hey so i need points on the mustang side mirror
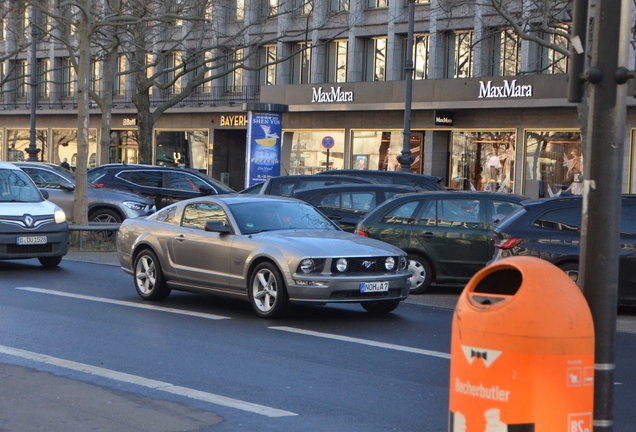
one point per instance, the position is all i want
(217, 226)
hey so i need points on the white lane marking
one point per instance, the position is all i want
(124, 303)
(149, 383)
(365, 342)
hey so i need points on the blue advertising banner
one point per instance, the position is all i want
(264, 130)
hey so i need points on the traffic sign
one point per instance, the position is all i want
(328, 142)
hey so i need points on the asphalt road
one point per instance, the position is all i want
(80, 351)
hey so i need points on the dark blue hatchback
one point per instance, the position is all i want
(550, 229)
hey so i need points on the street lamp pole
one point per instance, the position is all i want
(33, 149)
(406, 159)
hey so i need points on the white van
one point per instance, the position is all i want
(30, 226)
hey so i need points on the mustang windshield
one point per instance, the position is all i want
(16, 186)
(258, 216)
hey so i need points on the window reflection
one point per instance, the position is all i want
(483, 161)
(554, 163)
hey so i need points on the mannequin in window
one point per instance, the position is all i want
(494, 165)
(574, 168)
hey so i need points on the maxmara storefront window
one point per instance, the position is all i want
(553, 163)
(309, 156)
(483, 160)
(378, 150)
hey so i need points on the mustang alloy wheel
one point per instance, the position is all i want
(149, 281)
(267, 291)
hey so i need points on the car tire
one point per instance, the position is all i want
(105, 215)
(572, 270)
(50, 261)
(380, 307)
(149, 281)
(422, 274)
(267, 292)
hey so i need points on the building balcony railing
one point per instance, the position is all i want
(217, 96)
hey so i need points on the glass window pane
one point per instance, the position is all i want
(147, 178)
(483, 161)
(18, 141)
(308, 156)
(565, 219)
(549, 157)
(401, 215)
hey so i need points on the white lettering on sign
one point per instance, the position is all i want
(336, 95)
(235, 120)
(490, 393)
(130, 122)
(443, 120)
(507, 90)
(580, 422)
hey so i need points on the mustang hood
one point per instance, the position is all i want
(319, 243)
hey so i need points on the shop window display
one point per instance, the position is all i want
(308, 156)
(483, 161)
(377, 150)
(64, 143)
(554, 164)
(18, 141)
(186, 149)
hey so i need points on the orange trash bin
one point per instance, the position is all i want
(522, 351)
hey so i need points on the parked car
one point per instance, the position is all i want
(163, 185)
(272, 251)
(549, 228)
(30, 226)
(286, 185)
(104, 205)
(420, 181)
(347, 204)
(446, 234)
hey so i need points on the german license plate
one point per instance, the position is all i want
(374, 286)
(31, 240)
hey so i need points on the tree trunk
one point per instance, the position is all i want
(80, 208)
(146, 122)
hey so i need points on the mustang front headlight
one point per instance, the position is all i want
(342, 265)
(389, 263)
(307, 265)
(311, 265)
(60, 216)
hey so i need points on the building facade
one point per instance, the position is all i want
(489, 110)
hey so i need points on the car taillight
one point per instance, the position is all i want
(362, 233)
(99, 184)
(510, 243)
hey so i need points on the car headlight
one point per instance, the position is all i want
(311, 265)
(341, 265)
(307, 265)
(134, 205)
(389, 263)
(403, 263)
(59, 215)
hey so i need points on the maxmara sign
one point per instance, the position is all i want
(335, 95)
(507, 90)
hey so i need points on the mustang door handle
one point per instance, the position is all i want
(427, 235)
(180, 238)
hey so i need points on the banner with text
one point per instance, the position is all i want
(264, 130)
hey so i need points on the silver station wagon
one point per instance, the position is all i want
(272, 251)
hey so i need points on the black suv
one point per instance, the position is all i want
(163, 185)
(287, 185)
(550, 228)
(420, 181)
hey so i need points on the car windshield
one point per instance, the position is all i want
(16, 186)
(258, 216)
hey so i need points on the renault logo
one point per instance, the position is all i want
(28, 221)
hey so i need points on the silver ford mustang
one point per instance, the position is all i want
(271, 251)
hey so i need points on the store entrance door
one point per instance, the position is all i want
(229, 157)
